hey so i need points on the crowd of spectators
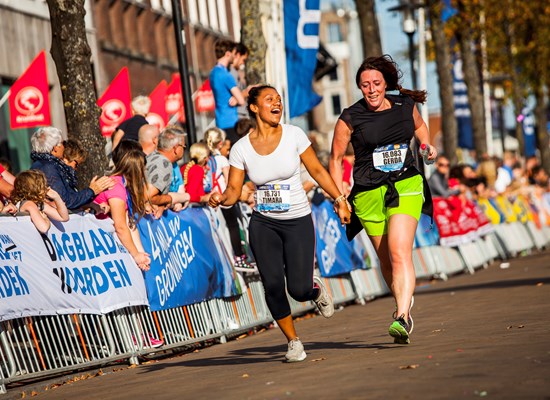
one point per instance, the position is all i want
(498, 185)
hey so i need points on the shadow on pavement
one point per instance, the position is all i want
(267, 354)
(487, 285)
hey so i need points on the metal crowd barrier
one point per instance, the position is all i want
(36, 347)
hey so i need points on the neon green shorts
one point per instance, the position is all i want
(374, 215)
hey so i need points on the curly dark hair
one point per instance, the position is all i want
(392, 75)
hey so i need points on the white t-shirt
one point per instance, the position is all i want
(221, 163)
(279, 192)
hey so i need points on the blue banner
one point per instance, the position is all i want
(302, 18)
(527, 120)
(426, 232)
(335, 255)
(462, 107)
(186, 264)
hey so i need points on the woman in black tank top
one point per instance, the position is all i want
(380, 128)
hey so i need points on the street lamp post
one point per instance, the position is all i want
(406, 8)
(498, 94)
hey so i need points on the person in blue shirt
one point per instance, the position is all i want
(227, 94)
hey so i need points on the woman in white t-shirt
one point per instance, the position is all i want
(281, 231)
(215, 139)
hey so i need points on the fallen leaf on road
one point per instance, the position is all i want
(539, 284)
(318, 359)
(521, 326)
(459, 350)
(412, 366)
(270, 383)
(245, 376)
(438, 330)
(430, 357)
(509, 327)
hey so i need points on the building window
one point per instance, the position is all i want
(334, 32)
(336, 104)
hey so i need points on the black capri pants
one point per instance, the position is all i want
(284, 248)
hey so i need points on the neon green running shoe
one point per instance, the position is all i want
(399, 330)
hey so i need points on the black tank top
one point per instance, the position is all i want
(372, 129)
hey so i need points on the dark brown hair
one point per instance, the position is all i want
(253, 95)
(222, 46)
(392, 75)
(131, 165)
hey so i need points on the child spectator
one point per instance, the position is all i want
(194, 171)
(126, 201)
(32, 194)
(215, 138)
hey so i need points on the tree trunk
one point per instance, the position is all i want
(72, 56)
(444, 67)
(473, 83)
(372, 45)
(253, 38)
(542, 133)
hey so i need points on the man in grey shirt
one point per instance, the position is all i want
(439, 181)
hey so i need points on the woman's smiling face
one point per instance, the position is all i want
(373, 87)
(269, 106)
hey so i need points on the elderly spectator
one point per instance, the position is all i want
(160, 169)
(149, 138)
(47, 156)
(129, 129)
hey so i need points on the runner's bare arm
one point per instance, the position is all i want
(340, 141)
(232, 192)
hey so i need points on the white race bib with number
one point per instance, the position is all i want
(390, 158)
(273, 198)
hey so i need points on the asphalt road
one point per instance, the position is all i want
(481, 335)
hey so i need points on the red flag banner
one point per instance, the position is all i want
(157, 113)
(115, 103)
(29, 99)
(174, 98)
(205, 98)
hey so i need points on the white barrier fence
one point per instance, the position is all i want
(39, 346)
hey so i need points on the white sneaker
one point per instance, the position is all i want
(323, 301)
(295, 351)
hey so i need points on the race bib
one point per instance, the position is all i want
(390, 158)
(273, 198)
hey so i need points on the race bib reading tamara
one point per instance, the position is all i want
(390, 158)
(273, 198)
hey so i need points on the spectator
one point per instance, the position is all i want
(73, 156)
(226, 147)
(129, 129)
(438, 182)
(149, 138)
(504, 173)
(215, 138)
(127, 202)
(47, 154)
(237, 71)
(193, 173)
(171, 147)
(227, 94)
(5, 163)
(32, 195)
(244, 126)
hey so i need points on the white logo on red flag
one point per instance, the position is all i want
(113, 112)
(205, 98)
(29, 96)
(115, 103)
